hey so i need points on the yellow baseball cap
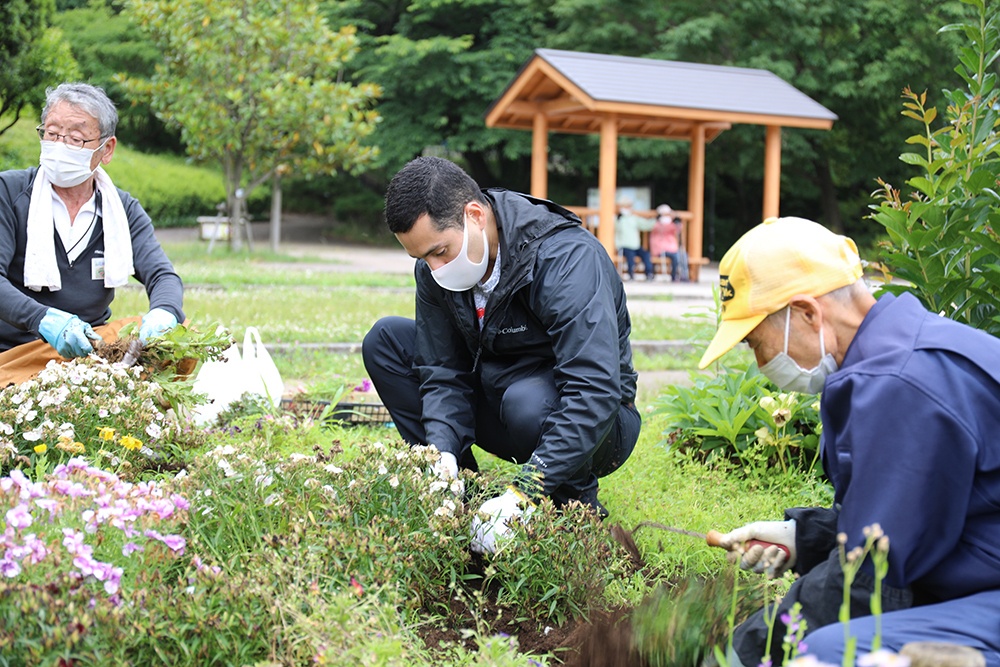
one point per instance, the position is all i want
(771, 263)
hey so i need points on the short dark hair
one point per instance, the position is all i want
(431, 185)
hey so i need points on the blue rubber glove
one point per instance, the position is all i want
(156, 323)
(67, 333)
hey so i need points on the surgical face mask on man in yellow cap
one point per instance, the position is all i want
(776, 262)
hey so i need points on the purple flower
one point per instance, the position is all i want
(9, 568)
(19, 516)
(173, 542)
(73, 541)
(131, 547)
(366, 385)
(37, 551)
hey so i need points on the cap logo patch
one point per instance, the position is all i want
(726, 290)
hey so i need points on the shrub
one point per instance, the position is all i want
(738, 415)
(943, 244)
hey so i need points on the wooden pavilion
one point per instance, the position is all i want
(590, 93)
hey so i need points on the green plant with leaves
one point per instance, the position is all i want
(943, 244)
(555, 563)
(738, 415)
(680, 623)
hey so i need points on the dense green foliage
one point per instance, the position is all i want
(33, 56)
(104, 43)
(738, 416)
(943, 243)
(441, 64)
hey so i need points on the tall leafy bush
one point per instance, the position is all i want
(943, 243)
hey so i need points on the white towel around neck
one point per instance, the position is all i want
(40, 267)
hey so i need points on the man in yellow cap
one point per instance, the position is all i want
(911, 413)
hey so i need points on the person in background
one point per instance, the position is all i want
(628, 239)
(664, 238)
(520, 344)
(69, 238)
(910, 413)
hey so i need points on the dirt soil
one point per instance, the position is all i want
(603, 641)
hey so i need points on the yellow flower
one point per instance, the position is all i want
(41, 449)
(67, 444)
(128, 442)
(107, 433)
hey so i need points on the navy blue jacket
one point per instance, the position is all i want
(21, 309)
(560, 306)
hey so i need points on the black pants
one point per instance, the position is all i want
(510, 430)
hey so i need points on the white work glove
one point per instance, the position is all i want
(446, 470)
(493, 520)
(766, 547)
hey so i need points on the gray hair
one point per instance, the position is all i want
(843, 295)
(90, 99)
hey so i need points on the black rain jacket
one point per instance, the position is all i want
(560, 306)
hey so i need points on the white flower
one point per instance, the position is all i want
(394, 481)
(447, 508)
(333, 469)
(274, 499)
(382, 469)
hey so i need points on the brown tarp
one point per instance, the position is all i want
(25, 361)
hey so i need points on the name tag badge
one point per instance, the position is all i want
(97, 268)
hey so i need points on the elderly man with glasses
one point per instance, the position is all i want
(69, 237)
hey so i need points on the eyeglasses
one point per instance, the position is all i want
(72, 142)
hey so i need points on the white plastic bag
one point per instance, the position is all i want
(226, 379)
(222, 381)
(262, 376)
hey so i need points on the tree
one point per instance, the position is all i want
(104, 43)
(441, 63)
(852, 56)
(256, 85)
(33, 56)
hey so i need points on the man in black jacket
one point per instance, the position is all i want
(520, 344)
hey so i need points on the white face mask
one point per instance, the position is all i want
(67, 166)
(461, 273)
(787, 375)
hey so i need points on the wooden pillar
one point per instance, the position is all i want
(772, 171)
(607, 183)
(696, 202)
(540, 157)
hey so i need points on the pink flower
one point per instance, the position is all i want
(19, 516)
